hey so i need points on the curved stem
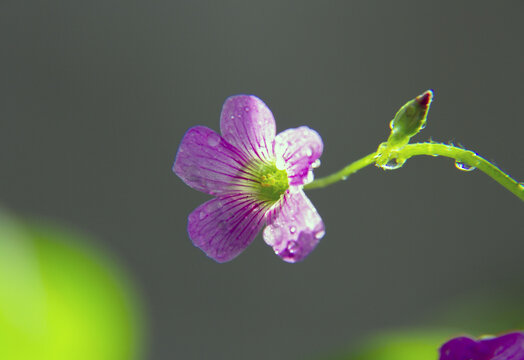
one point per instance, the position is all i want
(462, 156)
(465, 157)
(342, 174)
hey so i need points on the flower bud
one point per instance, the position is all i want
(410, 119)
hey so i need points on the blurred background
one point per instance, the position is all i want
(96, 96)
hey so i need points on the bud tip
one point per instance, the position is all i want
(424, 100)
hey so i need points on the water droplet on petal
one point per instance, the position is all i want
(292, 229)
(464, 167)
(316, 164)
(292, 246)
(280, 163)
(310, 177)
(213, 139)
(319, 234)
(222, 225)
(202, 214)
(246, 109)
(309, 152)
(232, 117)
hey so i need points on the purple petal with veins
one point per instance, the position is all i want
(299, 148)
(294, 226)
(248, 124)
(505, 347)
(225, 226)
(208, 163)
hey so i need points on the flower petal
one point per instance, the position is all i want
(506, 347)
(294, 226)
(225, 226)
(247, 123)
(299, 148)
(208, 163)
(458, 348)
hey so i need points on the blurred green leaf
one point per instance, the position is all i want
(61, 298)
(413, 344)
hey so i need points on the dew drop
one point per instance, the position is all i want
(423, 126)
(464, 167)
(344, 177)
(316, 164)
(246, 109)
(393, 164)
(309, 152)
(222, 225)
(292, 247)
(232, 117)
(202, 214)
(310, 177)
(391, 124)
(521, 186)
(292, 229)
(319, 234)
(213, 139)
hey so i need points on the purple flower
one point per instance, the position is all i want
(505, 347)
(257, 179)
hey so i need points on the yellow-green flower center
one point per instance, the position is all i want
(269, 183)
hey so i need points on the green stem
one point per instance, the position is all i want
(465, 157)
(469, 158)
(342, 174)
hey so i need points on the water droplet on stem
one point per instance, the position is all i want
(393, 164)
(464, 167)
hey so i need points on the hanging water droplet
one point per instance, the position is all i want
(393, 164)
(464, 167)
(316, 164)
(292, 229)
(213, 139)
(391, 124)
(344, 177)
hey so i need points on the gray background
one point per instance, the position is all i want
(96, 96)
